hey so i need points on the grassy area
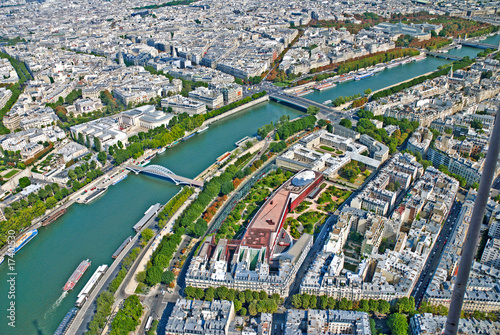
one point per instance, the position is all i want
(302, 207)
(10, 173)
(167, 4)
(332, 197)
(282, 83)
(324, 147)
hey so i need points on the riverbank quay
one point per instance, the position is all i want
(103, 181)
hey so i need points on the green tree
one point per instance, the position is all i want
(364, 306)
(252, 309)
(227, 187)
(476, 124)
(146, 235)
(167, 277)
(346, 123)
(101, 157)
(209, 294)
(97, 144)
(190, 292)
(24, 182)
(345, 304)
(332, 303)
(368, 91)
(153, 275)
(398, 324)
(296, 301)
(323, 302)
(221, 292)
(237, 305)
(50, 202)
(383, 306)
(373, 305)
(199, 294)
(81, 140)
(313, 110)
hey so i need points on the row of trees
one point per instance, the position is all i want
(83, 175)
(173, 205)
(235, 104)
(106, 299)
(161, 136)
(306, 301)
(288, 128)
(466, 61)
(363, 62)
(342, 100)
(20, 214)
(215, 187)
(127, 318)
(248, 301)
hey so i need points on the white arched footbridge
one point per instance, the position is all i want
(163, 172)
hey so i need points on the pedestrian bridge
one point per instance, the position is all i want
(163, 172)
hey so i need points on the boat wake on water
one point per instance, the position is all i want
(56, 304)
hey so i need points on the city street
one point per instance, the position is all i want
(434, 257)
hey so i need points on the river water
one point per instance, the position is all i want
(95, 231)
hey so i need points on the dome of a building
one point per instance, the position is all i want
(303, 178)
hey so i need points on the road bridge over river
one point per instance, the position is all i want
(301, 103)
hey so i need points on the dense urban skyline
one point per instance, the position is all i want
(297, 167)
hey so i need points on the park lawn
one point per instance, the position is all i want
(10, 173)
(324, 147)
(281, 84)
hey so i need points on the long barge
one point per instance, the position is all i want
(324, 86)
(95, 195)
(68, 318)
(28, 236)
(76, 275)
(188, 137)
(85, 292)
(119, 179)
(303, 92)
(54, 216)
(202, 130)
(121, 247)
(363, 75)
(147, 215)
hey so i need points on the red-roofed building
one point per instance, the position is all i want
(263, 230)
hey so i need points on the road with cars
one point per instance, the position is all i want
(436, 253)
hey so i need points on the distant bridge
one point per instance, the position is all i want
(301, 102)
(478, 45)
(163, 172)
(443, 55)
